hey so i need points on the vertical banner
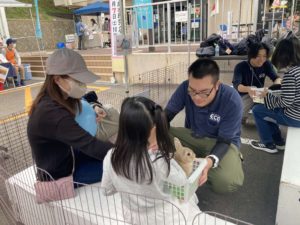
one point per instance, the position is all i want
(214, 8)
(116, 23)
(144, 14)
(38, 31)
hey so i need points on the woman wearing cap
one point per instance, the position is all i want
(52, 129)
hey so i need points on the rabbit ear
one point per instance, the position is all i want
(178, 144)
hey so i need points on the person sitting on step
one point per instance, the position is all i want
(12, 55)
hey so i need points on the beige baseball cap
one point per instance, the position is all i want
(68, 62)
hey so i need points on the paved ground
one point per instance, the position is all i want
(255, 202)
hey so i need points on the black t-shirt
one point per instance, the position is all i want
(247, 75)
(52, 130)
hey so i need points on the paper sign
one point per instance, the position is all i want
(3, 74)
(181, 16)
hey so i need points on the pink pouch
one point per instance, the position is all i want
(47, 191)
(55, 190)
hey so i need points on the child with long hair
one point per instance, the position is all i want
(133, 167)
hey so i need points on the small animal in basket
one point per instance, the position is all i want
(184, 157)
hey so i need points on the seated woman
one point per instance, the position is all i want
(133, 166)
(52, 129)
(282, 109)
(252, 73)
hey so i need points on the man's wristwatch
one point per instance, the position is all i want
(215, 160)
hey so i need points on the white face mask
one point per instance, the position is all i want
(77, 89)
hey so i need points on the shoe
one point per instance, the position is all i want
(17, 83)
(23, 83)
(270, 148)
(280, 147)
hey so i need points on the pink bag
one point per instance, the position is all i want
(63, 188)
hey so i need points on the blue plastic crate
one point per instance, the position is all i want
(27, 70)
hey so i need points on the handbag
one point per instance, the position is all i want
(205, 51)
(55, 190)
(108, 127)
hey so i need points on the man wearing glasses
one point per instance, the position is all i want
(212, 124)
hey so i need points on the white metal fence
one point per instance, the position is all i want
(165, 23)
(89, 207)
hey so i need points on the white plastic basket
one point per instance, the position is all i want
(185, 191)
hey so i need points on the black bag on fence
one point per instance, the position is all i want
(211, 40)
(225, 48)
(205, 51)
(242, 47)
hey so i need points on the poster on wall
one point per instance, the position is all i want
(116, 23)
(214, 8)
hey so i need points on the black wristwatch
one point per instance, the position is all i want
(214, 160)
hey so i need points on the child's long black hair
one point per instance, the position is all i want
(130, 157)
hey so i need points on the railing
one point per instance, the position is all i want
(164, 23)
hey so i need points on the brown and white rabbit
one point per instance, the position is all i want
(184, 157)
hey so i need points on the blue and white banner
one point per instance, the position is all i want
(38, 31)
(144, 14)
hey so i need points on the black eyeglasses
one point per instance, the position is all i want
(193, 93)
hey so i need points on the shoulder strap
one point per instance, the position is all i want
(73, 156)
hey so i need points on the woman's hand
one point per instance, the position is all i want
(100, 114)
(251, 92)
(203, 177)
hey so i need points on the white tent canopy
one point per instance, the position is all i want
(13, 3)
(4, 32)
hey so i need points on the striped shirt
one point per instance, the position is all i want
(289, 98)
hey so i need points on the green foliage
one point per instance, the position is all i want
(47, 11)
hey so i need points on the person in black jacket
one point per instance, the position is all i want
(252, 73)
(52, 129)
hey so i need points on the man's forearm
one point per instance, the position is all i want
(220, 149)
(170, 115)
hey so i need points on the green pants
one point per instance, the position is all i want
(229, 175)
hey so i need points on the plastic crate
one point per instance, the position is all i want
(185, 191)
(27, 71)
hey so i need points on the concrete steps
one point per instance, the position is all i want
(101, 65)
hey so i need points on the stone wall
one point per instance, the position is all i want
(53, 32)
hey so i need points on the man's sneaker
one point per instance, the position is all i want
(280, 147)
(270, 148)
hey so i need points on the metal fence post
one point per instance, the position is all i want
(169, 26)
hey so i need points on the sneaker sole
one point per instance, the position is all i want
(264, 149)
(280, 148)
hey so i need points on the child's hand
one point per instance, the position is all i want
(100, 114)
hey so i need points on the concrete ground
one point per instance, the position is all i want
(255, 202)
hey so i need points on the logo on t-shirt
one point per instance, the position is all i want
(215, 117)
(262, 75)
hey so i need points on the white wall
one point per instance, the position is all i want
(248, 12)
